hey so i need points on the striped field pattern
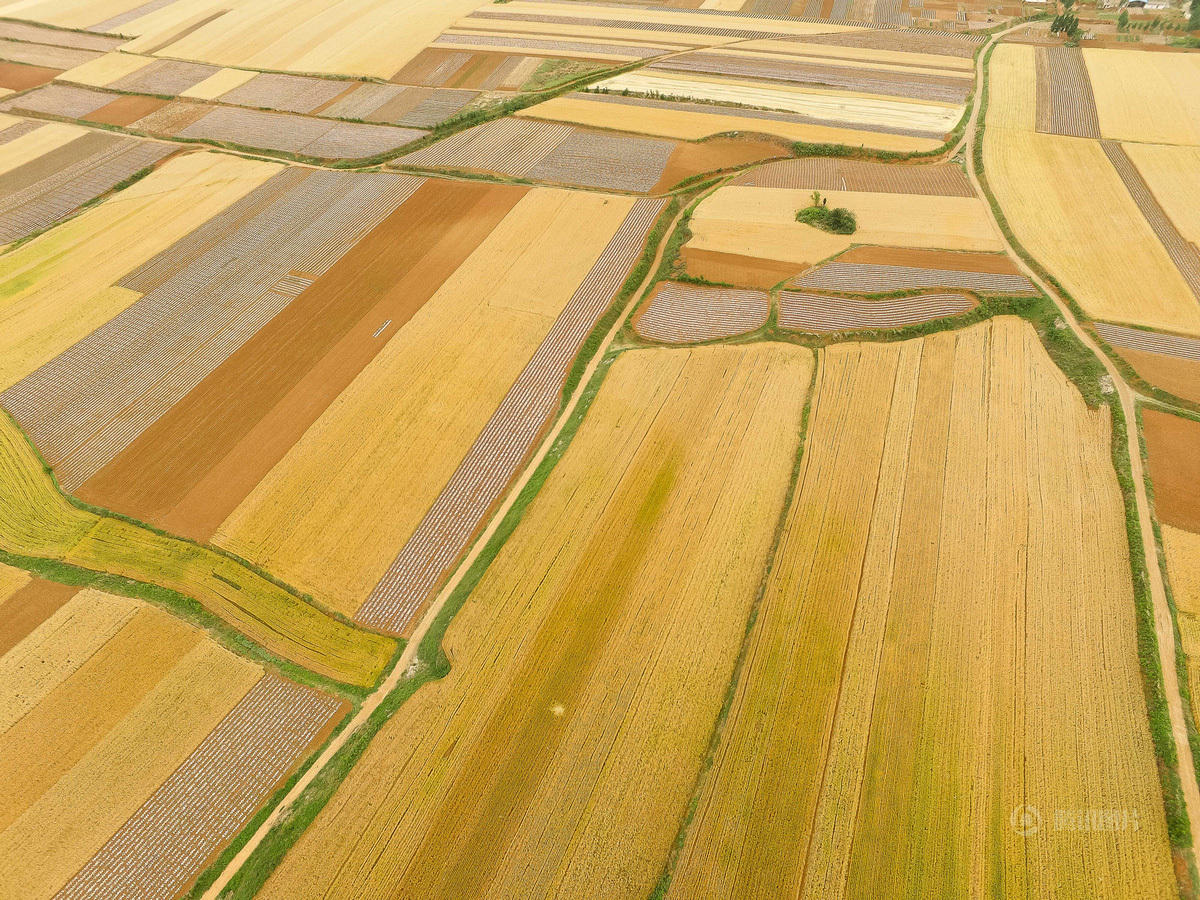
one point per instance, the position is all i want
(553, 45)
(1182, 251)
(1065, 102)
(45, 55)
(866, 278)
(287, 93)
(440, 105)
(165, 76)
(212, 794)
(615, 161)
(684, 313)
(45, 200)
(297, 134)
(114, 23)
(89, 403)
(1150, 341)
(506, 440)
(64, 100)
(828, 174)
(363, 100)
(41, 34)
(818, 312)
(511, 146)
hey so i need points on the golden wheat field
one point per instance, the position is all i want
(1148, 97)
(332, 514)
(37, 520)
(761, 222)
(1173, 176)
(1069, 208)
(589, 664)
(947, 636)
(58, 288)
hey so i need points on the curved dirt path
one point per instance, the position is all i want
(399, 673)
(1163, 622)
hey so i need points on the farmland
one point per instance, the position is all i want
(706, 434)
(650, 449)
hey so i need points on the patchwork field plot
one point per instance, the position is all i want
(880, 270)
(821, 312)
(101, 680)
(683, 313)
(558, 754)
(1146, 97)
(489, 348)
(1054, 189)
(202, 299)
(830, 174)
(1065, 104)
(59, 287)
(896, 749)
(37, 521)
(1165, 360)
(760, 222)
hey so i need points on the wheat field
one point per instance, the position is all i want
(589, 664)
(947, 635)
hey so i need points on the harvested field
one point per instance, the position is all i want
(73, 818)
(733, 268)
(949, 260)
(766, 67)
(616, 162)
(218, 83)
(1173, 176)
(63, 100)
(549, 46)
(164, 76)
(1053, 190)
(1065, 104)
(511, 146)
(297, 134)
(35, 144)
(953, 575)
(696, 121)
(200, 807)
(17, 77)
(204, 297)
(962, 46)
(57, 288)
(46, 191)
(287, 93)
(1013, 99)
(125, 110)
(44, 54)
(689, 159)
(761, 222)
(1123, 80)
(867, 278)
(558, 754)
(36, 520)
(785, 110)
(29, 602)
(830, 174)
(432, 67)
(507, 439)
(188, 471)
(106, 69)
(171, 119)
(441, 378)
(821, 313)
(1180, 377)
(1174, 465)
(684, 313)
(363, 100)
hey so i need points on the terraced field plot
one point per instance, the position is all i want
(102, 680)
(944, 563)
(590, 661)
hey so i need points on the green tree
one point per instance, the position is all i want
(1123, 20)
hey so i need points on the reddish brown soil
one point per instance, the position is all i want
(30, 607)
(18, 77)
(955, 261)
(394, 110)
(1173, 444)
(1180, 377)
(421, 66)
(690, 158)
(125, 110)
(189, 470)
(732, 268)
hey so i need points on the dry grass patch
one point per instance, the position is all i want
(947, 634)
(589, 664)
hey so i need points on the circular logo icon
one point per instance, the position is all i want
(1026, 820)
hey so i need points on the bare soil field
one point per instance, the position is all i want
(734, 268)
(693, 158)
(17, 77)
(125, 110)
(28, 607)
(1171, 443)
(1180, 377)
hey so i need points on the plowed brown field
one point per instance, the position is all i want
(1171, 443)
